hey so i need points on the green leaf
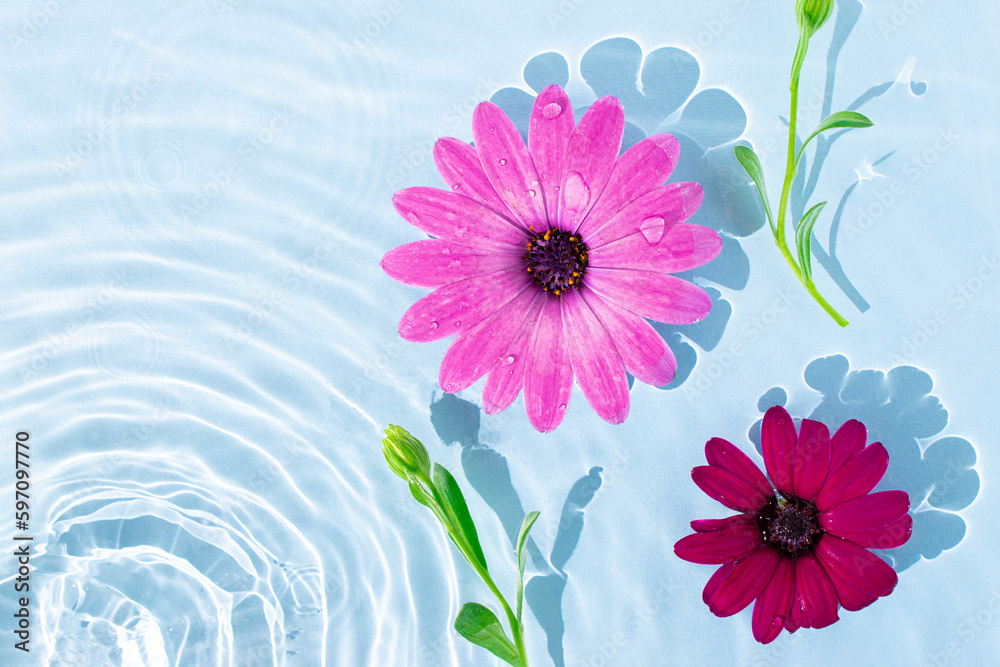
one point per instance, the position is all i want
(522, 556)
(803, 238)
(838, 120)
(751, 163)
(453, 503)
(481, 627)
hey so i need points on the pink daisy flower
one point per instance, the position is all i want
(548, 257)
(801, 548)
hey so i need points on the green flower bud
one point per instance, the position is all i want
(812, 14)
(406, 456)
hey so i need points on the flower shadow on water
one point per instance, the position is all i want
(899, 411)
(706, 125)
(457, 421)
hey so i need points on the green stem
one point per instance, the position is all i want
(786, 189)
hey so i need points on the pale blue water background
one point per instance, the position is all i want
(199, 340)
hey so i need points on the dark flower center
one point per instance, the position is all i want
(557, 260)
(790, 524)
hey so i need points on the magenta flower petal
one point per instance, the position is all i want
(459, 165)
(722, 453)
(548, 378)
(476, 350)
(507, 164)
(775, 603)
(461, 305)
(590, 158)
(549, 130)
(812, 459)
(815, 602)
(682, 247)
(849, 596)
(848, 441)
(596, 363)
(744, 583)
(865, 513)
(855, 566)
(434, 263)
(889, 536)
(855, 478)
(658, 296)
(708, 525)
(643, 351)
(643, 167)
(459, 219)
(779, 441)
(736, 540)
(669, 204)
(505, 379)
(728, 488)
(717, 578)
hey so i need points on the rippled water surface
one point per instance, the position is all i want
(198, 339)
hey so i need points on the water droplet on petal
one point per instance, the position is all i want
(562, 408)
(455, 263)
(503, 162)
(531, 193)
(552, 110)
(576, 194)
(509, 360)
(456, 186)
(446, 251)
(652, 229)
(433, 325)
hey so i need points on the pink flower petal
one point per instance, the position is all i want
(461, 305)
(866, 513)
(812, 459)
(644, 353)
(644, 166)
(849, 596)
(717, 578)
(596, 363)
(779, 441)
(708, 525)
(887, 537)
(434, 263)
(459, 165)
(854, 478)
(508, 165)
(590, 157)
(459, 219)
(505, 379)
(735, 542)
(548, 379)
(683, 246)
(719, 452)
(549, 130)
(848, 441)
(775, 603)
(744, 583)
(658, 296)
(728, 488)
(815, 602)
(857, 567)
(476, 350)
(671, 203)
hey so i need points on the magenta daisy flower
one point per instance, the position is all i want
(801, 547)
(548, 257)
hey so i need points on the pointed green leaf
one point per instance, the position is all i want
(453, 503)
(838, 120)
(522, 556)
(751, 163)
(803, 238)
(481, 627)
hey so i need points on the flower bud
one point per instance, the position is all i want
(406, 456)
(812, 14)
